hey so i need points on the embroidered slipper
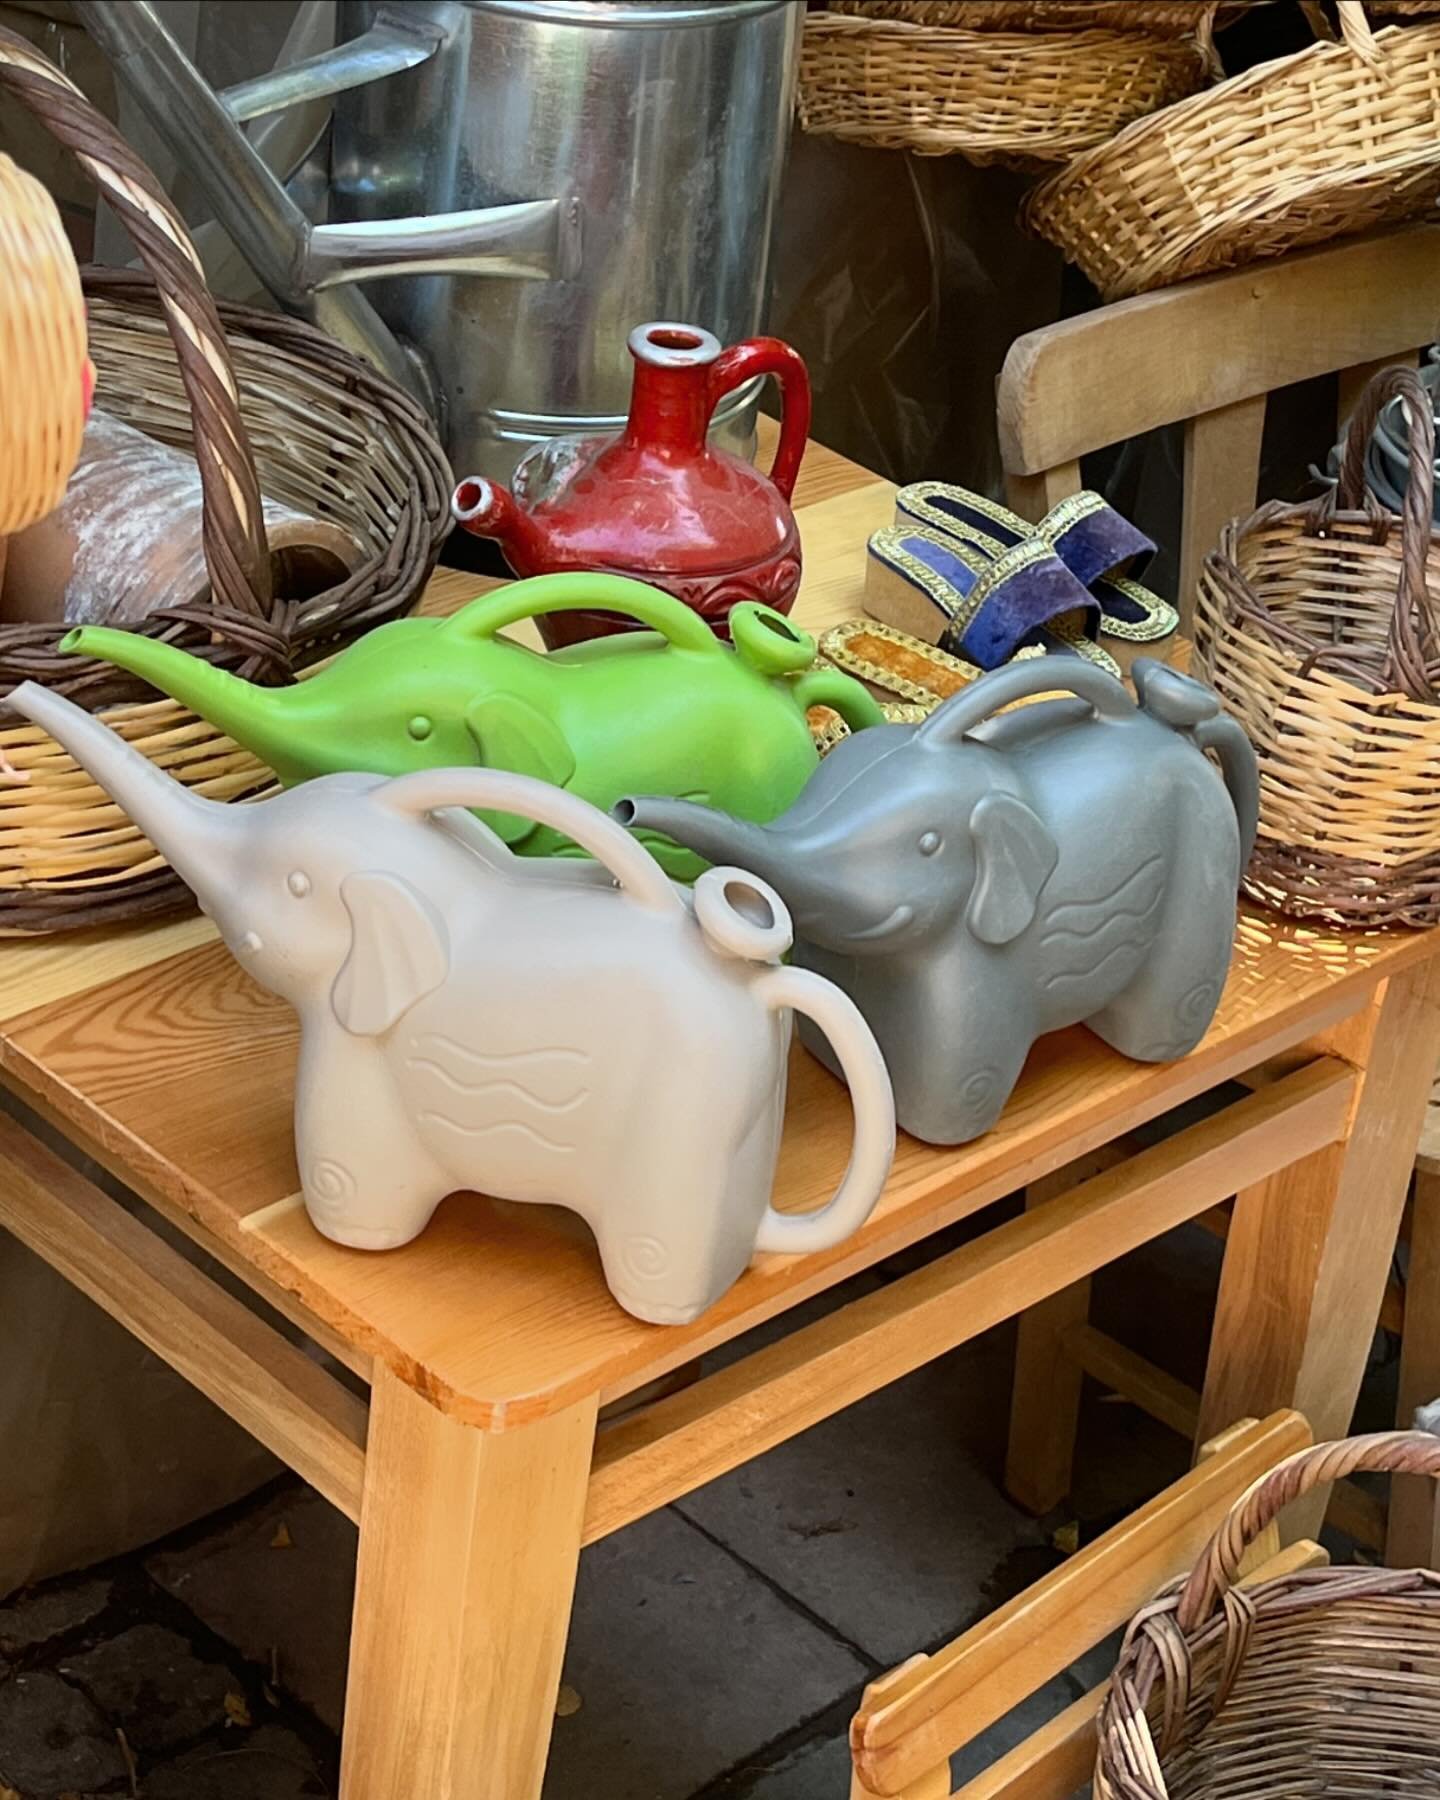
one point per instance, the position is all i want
(1101, 548)
(944, 588)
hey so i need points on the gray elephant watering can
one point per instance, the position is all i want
(585, 1034)
(977, 880)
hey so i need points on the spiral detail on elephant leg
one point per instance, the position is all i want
(645, 1258)
(329, 1185)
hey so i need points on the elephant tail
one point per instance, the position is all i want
(1193, 708)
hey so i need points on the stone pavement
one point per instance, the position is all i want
(718, 1647)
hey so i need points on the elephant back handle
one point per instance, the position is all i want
(681, 627)
(502, 791)
(1027, 680)
(873, 1147)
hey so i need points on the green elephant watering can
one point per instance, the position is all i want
(668, 710)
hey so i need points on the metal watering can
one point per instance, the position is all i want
(602, 161)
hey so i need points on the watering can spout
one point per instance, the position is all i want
(489, 510)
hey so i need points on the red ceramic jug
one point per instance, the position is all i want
(657, 501)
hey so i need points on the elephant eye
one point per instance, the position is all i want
(929, 843)
(298, 883)
(420, 728)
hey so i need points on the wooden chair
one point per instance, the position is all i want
(1208, 353)
(1211, 353)
(912, 1720)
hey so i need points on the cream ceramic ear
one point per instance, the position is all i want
(399, 952)
(1014, 857)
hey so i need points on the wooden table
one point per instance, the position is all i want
(489, 1345)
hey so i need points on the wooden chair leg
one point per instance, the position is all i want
(1412, 1540)
(1032, 496)
(469, 1543)
(1222, 474)
(1309, 1250)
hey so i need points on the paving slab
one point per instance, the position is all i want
(54, 1741)
(151, 1684)
(685, 1663)
(278, 1584)
(31, 1620)
(885, 1520)
(271, 1764)
(820, 1771)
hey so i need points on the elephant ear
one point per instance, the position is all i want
(1014, 857)
(399, 952)
(512, 734)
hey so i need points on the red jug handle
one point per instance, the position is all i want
(769, 356)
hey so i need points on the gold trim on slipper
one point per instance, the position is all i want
(1161, 620)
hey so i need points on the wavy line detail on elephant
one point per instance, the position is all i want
(529, 1132)
(1146, 884)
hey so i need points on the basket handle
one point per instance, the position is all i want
(1414, 628)
(1383, 1452)
(236, 550)
(1355, 29)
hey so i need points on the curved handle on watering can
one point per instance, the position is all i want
(1381, 1452)
(769, 356)
(872, 1148)
(502, 791)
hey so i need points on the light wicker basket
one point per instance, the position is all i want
(1324, 1682)
(42, 352)
(1337, 138)
(1019, 98)
(243, 390)
(1317, 625)
(1165, 18)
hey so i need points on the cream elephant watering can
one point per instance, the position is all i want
(549, 1030)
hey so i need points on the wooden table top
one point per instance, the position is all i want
(154, 1051)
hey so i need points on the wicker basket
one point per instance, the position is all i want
(1334, 139)
(1163, 18)
(992, 96)
(328, 435)
(42, 352)
(1325, 1682)
(1316, 624)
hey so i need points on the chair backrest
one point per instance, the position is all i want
(1209, 353)
(913, 1719)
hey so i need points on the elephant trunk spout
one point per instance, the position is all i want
(716, 836)
(263, 720)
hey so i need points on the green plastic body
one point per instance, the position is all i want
(669, 710)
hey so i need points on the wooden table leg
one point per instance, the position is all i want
(1045, 1400)
(469, 1542)
(1412, 1538)
(1309, 1250)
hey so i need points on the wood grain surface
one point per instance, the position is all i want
(177, 1072)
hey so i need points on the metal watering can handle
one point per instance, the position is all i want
(307, 266)
(873, 1147)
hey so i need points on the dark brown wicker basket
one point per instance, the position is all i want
(1324, 1682)
(238, 388)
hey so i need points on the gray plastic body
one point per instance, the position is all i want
(985, 877)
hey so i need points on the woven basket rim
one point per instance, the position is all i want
(1043, 45)
(1178, 114)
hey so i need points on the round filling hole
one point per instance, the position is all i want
(670, 339)
(751, 904)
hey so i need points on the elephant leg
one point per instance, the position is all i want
(677, 1229)
(367, 1178)
(1163, 1011)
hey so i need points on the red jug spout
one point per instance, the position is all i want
(489, 510)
